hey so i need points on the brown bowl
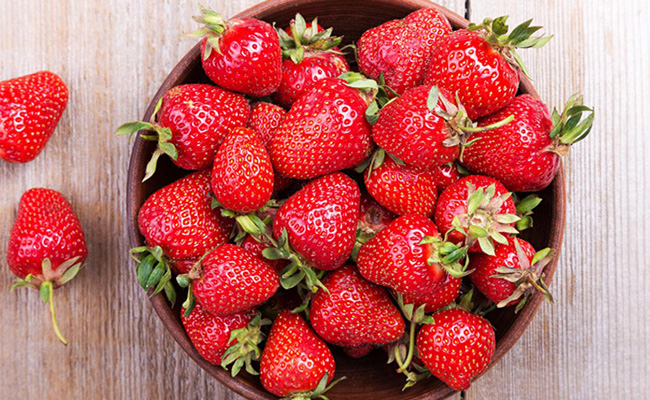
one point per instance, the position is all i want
(368, 377)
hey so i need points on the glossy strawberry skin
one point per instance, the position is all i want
(517, 153)
(232, 281)
(446, 175)
(484, 266)
(199, 117)
(294, 359)
(457, 347)
(394, 257)
(242, 175)
(179, 218)
(264, 119)
(256, 248)
(321, 220)
(209, 334)
(355, 312)
(325, 131)
(249, 60)
(400, 49)
(45, 227)
(439, 298)
(403, 189)
(30, 109)
(464, 63)
(373, 217)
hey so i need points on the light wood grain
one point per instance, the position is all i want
(114, 54)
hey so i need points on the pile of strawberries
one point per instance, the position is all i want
(370, 209)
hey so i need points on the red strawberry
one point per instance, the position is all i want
(255, 248)
(295, 360)
(446, 175)
(193, 121)
(440, 297)
(511, 274)
(264, 119)
(242, 54)
(325, 131)
(457, 347)
(354, 312)
(402, 189)
(46, 245)
(373, 217)
(480, 65)
(479, 210)
(400, 49)
(359, 351)
(30, 108)
(242, 175)
(525, 154)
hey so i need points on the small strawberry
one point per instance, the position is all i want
(242, 54)
(400, 49)
(325, 130)
(457, 347)
(264, 119)
(255, 247)
(508, 277)
(242, 175)
(480, 64)
(477, 211)
(47, 245)
(30, 109)
(192, 122)
(359, 351)
(525, 154)
(446, 175)
(440, 297)
(295, 361)
(373, 217)
(353, 312)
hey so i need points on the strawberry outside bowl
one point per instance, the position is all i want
(369, 377)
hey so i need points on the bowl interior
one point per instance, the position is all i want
(368, 377)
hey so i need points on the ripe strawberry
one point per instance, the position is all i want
(457, 347)
(354, 312)
(373, 217)
(308, 59)
(242, 175)
(242, 54)
(255, 248)
(440, 297)
(46, 245)
(359, 351)
(525, 154)
(480, 65)
(30, 108)
(264, 119)
(325, 130)
(193, 121)
(295, 360)
(508, 277)
(400, 49)
(477, 211)
(446, 175)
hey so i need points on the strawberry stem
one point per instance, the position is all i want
(47, 294)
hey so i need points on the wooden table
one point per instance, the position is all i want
(113, 54)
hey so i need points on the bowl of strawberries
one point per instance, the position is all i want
(324, 190)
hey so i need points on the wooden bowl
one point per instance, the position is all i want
(369, 377)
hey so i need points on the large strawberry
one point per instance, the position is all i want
(457, 347)
(46, 245)
(241, 54)
(264, 119)
(525, 154)
(30, 109)
(480, 64)
(242, 175)
(400, 49)
(295, 360)
(192, 121)
(440, 297)
(325, 130)
(353, 312)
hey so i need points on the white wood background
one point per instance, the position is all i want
(113, 54)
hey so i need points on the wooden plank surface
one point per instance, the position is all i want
(113, 55)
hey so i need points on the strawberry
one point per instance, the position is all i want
(353, 312)
(508, 277)
(525, 154)
(480, 64)
(476, 210)
(295, 360)
(373, 217)
(400, 49)
(440, 297)
(242, 54)
(310, 54)
(30, 109)
(255, 248)
(192, 122)
(264, 119)
(358, 351)
(446, 175)
(457, 347)
(325, 130)
(46, 245)
(242, 175)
